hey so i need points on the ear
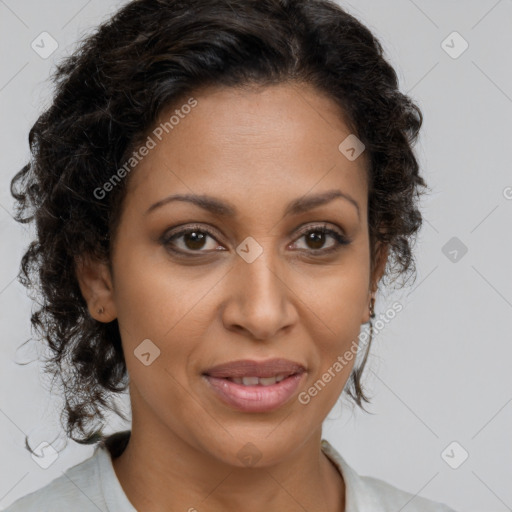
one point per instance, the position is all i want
(95, 281)
(380, 260)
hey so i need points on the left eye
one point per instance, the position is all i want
(194, 239)
(317, 237)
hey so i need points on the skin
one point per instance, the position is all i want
(258, 149)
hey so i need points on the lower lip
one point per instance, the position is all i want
(255, 398)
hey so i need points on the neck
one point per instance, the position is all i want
(159, 471)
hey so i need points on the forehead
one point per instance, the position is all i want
(275, 140)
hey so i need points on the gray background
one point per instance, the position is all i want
(440, 370)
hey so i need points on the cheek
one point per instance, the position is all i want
(161, 311)
(339, 336)
(340, 297)
(334, 355)
(154, 298)
(335, 325)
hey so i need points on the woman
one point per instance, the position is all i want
(219, 189)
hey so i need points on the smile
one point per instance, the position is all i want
(255, 394)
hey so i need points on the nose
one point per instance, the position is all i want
(260, 302)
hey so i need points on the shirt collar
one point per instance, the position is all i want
(113, 493)
(354, 487)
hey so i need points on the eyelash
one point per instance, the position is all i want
(340, 239)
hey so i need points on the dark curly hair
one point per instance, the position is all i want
(110, 92)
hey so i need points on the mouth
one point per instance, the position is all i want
(255, 394)
(255, 386)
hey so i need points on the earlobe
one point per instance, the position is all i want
(95, 281)
(369, 309)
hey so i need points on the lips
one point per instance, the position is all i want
(255, 399)
(251, 368)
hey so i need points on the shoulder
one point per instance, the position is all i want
(76, 489)
(385, 496)
(365, 493)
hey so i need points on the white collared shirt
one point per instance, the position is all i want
(92, 486)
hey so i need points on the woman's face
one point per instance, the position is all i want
(254, 279)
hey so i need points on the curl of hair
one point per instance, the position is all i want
(108, 95)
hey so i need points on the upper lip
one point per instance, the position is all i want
(251, 368)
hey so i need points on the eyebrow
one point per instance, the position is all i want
(223, 208)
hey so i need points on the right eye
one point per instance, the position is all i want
(194, 239)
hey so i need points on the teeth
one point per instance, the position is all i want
(250, 381)
(261, 381)
(267, 381)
